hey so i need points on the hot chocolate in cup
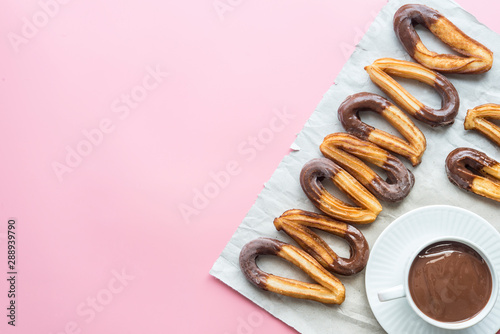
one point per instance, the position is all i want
(449, 282)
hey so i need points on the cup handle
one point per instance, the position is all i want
(392, 293)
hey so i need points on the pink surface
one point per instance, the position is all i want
(116, 114)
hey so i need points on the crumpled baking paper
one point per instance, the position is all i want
(283, 190)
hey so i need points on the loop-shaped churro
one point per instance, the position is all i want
(297, 224)
(476, 118)
(380, 73)
(414, 146)
(346, 150)
(474, 171)
(329, 290)
(310, 179)
(476, 57)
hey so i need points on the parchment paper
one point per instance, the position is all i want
(283, 191)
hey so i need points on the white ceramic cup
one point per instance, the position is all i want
(403, 290)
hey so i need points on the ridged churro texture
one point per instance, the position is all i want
(328, 289)
(477, 119)
(318, 169)
(412, 148)
(348, 151)
(298, 223)
(474, 171)
(380, 73)
(475, 57)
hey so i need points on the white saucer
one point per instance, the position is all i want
(395, 244)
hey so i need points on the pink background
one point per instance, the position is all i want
(115, 212)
